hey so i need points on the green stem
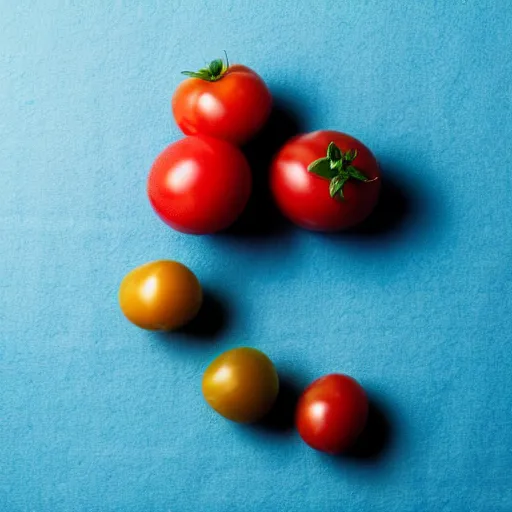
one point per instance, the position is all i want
(338, 168)
(213, 72)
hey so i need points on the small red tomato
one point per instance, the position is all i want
(199, 184)
(223, 101)
(331, 413)
(325, 180)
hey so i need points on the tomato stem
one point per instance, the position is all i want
(337, 167)
(213, 72)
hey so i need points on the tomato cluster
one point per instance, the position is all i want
(323, 181)
(202, 183)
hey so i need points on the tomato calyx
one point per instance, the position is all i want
(337, 167)
(213, 72)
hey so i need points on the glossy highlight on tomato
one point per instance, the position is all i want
(337, 193)
(241, 385)
(331, 413)
(160, 295)
(199, 185)
(223, 101)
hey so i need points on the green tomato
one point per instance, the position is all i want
(241, 385)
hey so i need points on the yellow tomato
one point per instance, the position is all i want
(160, 295)
(241, 384)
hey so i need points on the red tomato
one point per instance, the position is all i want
(199, 184)
(227, 102)
(331, 413)
(325, 180)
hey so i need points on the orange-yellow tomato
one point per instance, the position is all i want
(160, 295)
(241, 384)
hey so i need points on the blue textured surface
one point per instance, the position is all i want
(99, 416)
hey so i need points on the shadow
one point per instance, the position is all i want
(407, 210)
(207, 325)
(375, 438)
(261, 217)
(281, 418)
(394, 209)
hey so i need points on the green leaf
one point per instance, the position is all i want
(213, 72)
(333, 152)
(202, 74)
(322, 168)
(350, 155)
(356, 173)
(216, 67)
(336, 186)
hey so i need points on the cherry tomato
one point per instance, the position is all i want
(227, 102)
(331, 413)
(160, 295)
(199, 184)
(241, 384)
(325, 181)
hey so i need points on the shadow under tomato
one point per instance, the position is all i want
(373, 444)
(394, 208)
(261, 217)
(404, 206)
(281, 418)
(375, 438)
(209, 323)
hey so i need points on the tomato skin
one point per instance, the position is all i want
(232, 108)
(304, 197)
(199, 184)
(160, 295)
(241, 385)
(331, 413)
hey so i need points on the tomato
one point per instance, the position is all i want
(241, 384)
(227, 102)
(325, 181)
(331, 413)
(199, 184)
(160, 295)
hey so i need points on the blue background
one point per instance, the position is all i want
(100, 416)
